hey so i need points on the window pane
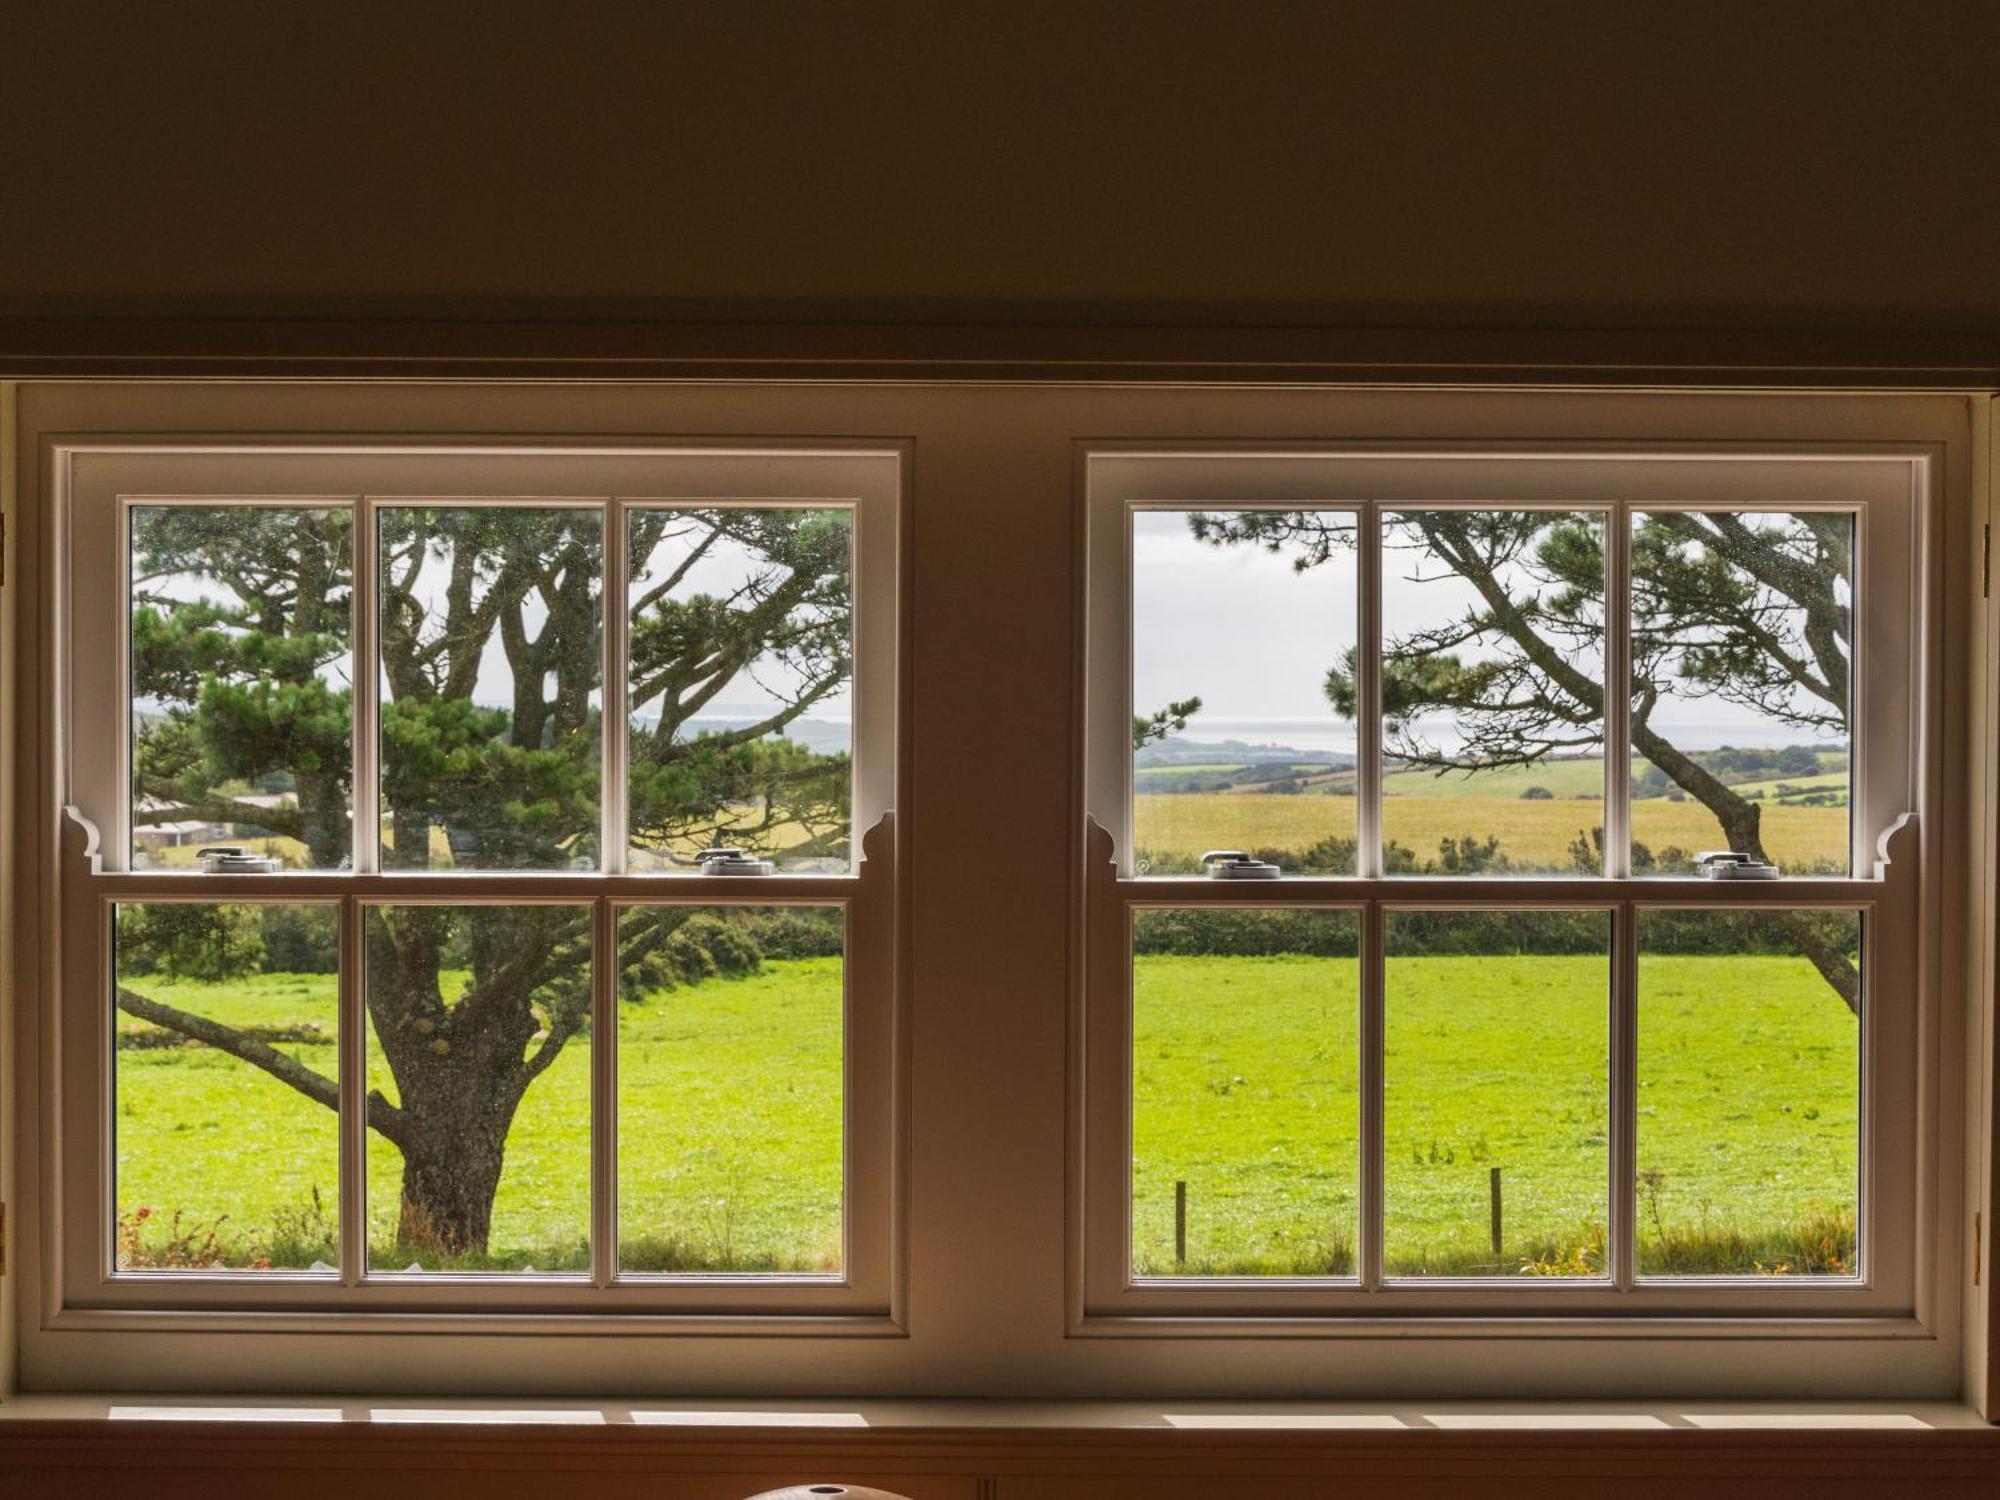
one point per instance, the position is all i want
(1749, 1080)
(730, 1061)
(490, 675)
(1741, 645)
(742, 685)
(1492, 692)
(479, 1046)
(1496, 1085)
(1243, 631)
(242, 683)
(1244, 1099)
(225, 1162)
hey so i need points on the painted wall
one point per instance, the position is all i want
(9, 572)
(1557, 163)
(1561, 163)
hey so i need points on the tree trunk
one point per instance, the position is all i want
(461, 1068)
(451, 1172)
(326, 826)
(458, 1105)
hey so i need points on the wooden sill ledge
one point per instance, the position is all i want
(373, 1449)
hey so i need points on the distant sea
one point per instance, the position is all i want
(821, 736)
(1280, 739)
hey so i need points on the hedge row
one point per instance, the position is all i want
(1264, 932)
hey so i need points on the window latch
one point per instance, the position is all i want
(234, 859)
(1234, 864)
(1728, 864)
(728, 860)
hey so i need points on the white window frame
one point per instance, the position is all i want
(1893, 493)
(96, 486)
(993, 989)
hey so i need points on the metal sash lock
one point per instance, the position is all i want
(1234, 864)
(1728, 864)
(234, 859)
(728, 860)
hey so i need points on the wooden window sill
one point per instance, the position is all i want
(73, 1445)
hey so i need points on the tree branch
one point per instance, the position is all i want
(1825, 955)
(383, 1117)
(285, 822)
(1738, 816)
(673, 580)
(553, 1041)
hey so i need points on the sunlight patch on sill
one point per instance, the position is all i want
(749, 1419)
(224, 1414)
(1253, 1420)
(1539, 1421)
(480, 1416)
(1731, 1419)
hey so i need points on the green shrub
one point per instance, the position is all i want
(189, 940)
(662, 948)
(729, 947)
(300, 939)
(1251, 933)
(797, 931)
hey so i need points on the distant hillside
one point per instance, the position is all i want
(1186, 752)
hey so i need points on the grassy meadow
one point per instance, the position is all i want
(1246, 1090)
(729, 1133)
(215, 1159)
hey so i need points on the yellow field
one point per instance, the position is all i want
(183, 856)
(1531, 833)
(292, 853)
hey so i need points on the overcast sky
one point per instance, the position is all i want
(1253, 638)
(1236, 626)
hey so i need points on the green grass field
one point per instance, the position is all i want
(729, 1131)
(1245, 1085)
(1245, 1089)
(209, 1146)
